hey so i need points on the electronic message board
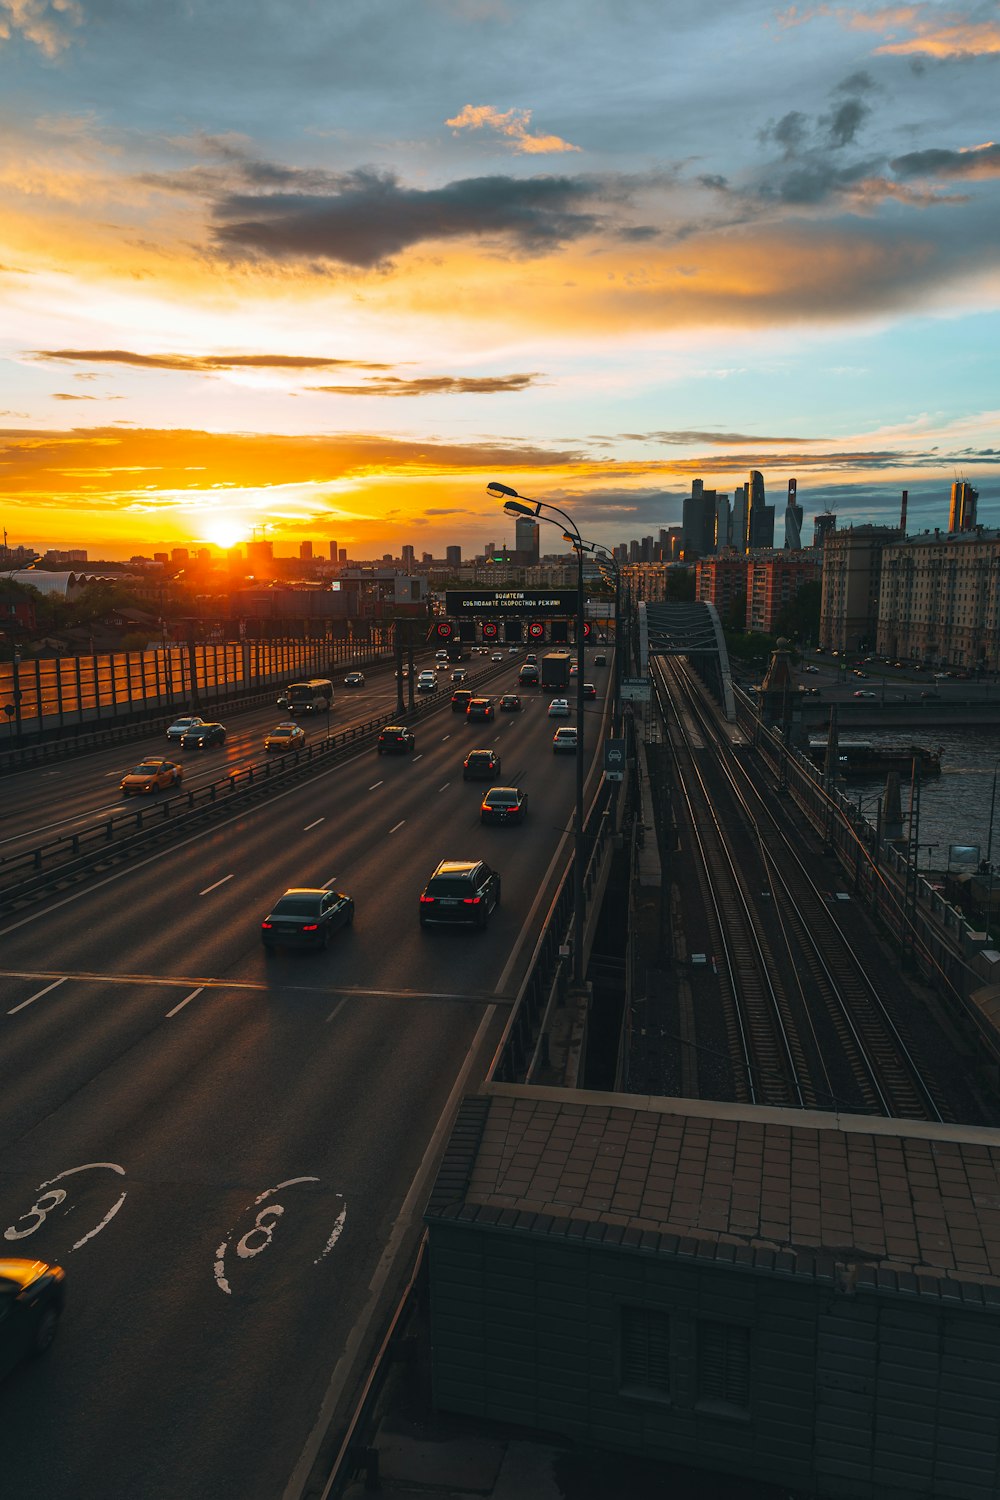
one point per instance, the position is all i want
(466, 602)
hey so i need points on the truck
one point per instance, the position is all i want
(555, 669)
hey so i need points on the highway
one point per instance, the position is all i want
(229, 1150)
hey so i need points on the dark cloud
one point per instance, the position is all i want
(434, 385)
(856, 83)
(845, 122)
(686, 437)
(978, 161)
(205, 363)
(790, 132)
(369, 217)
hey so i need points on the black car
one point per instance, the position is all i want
(460, 700)
(305, 918)
(503, 804)
(201, 736)
(589, 690)
(31, 1301)
(461, 891)
(481, 765)
(510, 703)
(479, 709)
(528, 677)
(600, 660)
(396, 739)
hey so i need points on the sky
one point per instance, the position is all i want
(323, 270)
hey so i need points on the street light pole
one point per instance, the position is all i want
(519, 505)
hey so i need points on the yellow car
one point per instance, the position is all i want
(285, 737)
(151, 776)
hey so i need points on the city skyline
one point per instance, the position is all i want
(261, 270)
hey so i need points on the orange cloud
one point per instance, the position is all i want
(935, 34)
(512, 123)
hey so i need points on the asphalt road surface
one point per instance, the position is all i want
(229, 1150)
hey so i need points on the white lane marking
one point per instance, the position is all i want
(336, 1010)
(418, 757)
(398, 825)
(327, 884)
(445, 787)
(338, 1230)
(376, 784)
(192, 996)
(37, 996)
(209, 888)
(313, 825)
(445, 737)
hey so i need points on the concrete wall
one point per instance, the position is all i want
(858, 1390)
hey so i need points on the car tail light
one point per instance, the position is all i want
(266, 926)
(471, 900)
(310, 927)
(427, 901)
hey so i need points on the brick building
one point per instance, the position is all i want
(939, 599)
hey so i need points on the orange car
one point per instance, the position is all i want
(151, 776)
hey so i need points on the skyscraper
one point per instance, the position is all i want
(740, 529)
(823, 525)
(793, 519)
(333, 552)
(305, 551)
(408, 557)
(526, 539)
(962, 516)
(453, 557)
(758, 507)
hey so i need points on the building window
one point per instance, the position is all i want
(645, 1353)
(724, 1367)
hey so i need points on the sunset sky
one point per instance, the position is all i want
(324, 270)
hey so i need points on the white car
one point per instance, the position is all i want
(559, 709)
(459, 674)
(426, 682)
(564, 741)
(497, 656)
(865, 693)
(179, 728)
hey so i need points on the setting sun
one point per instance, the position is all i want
(225, 534)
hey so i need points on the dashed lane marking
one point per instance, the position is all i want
(210, 888)
(184, 1002)
(374, 785)
(398, 825)
(38, 995)
(314, 824)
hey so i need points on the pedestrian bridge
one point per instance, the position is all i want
(692, 630)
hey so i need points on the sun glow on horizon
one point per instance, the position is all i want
(225, 533)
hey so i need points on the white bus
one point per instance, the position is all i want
(312, 697)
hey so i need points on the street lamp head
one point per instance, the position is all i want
(518, 508)
(498, 490)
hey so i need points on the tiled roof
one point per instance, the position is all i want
(788, 1189)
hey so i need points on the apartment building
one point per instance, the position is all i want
(772, 583)
(939, 599)
(852, 565)
(722, 581)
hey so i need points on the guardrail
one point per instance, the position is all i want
(27, 874)
(546, 978)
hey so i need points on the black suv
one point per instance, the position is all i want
(462, 891)
(395, 739)
(460, 700)
(479, 708)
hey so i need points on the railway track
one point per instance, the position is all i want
(848, 1049)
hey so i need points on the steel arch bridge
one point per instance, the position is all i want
(692, 630)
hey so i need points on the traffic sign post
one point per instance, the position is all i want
(614, 760)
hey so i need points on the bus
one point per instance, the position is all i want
(312, 697)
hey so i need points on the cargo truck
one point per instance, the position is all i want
(555, 669)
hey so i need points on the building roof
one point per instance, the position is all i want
(61, 583)
(907, 1204)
